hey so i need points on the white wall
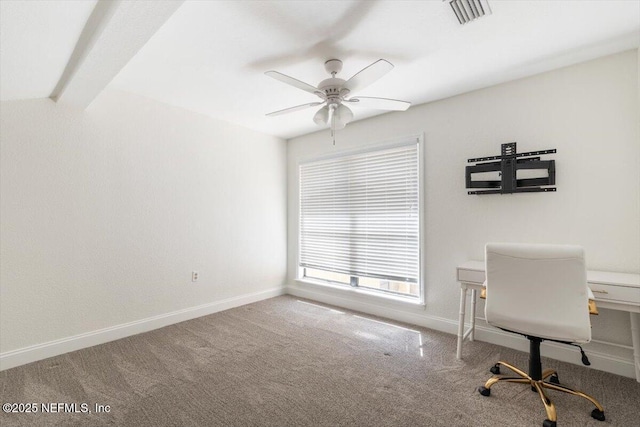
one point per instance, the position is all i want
(105, 213)
(588, 112)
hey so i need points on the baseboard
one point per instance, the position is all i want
(381, 310)
(599, 360)
(22, 356)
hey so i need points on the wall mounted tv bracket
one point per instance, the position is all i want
(507, 165)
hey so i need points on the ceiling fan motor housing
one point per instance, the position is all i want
(333, 88)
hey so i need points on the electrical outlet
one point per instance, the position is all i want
(194, 276)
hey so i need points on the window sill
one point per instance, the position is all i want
(380, 296)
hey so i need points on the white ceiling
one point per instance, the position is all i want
(210, 56)
(36, 41)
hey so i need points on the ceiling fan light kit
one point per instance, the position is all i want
(321, 116)
(334, 93)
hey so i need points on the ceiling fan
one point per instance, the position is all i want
(335, 92)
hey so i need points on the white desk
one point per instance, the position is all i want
(615, 291)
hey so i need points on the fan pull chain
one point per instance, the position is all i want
(333, 124)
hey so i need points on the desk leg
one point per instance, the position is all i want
(473, 314)
(463, 303)
(635, 339)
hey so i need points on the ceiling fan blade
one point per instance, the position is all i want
(368, 75)
(293, 82)
(296, 108)
(379, 103)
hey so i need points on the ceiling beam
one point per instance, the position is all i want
(114, 33)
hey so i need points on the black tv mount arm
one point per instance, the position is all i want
(509, 162)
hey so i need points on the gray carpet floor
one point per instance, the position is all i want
(290, 362)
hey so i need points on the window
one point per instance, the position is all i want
(360, 220)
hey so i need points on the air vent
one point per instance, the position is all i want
(469, 10)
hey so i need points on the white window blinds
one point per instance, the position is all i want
(359, 214)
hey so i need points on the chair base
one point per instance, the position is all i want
(539, 385)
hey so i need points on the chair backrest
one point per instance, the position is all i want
(538, 290)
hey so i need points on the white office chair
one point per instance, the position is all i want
(539, 291)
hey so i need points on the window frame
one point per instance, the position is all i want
(345, 287)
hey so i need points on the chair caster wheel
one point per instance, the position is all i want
(495, 369)
(548, 423)
(487, 392)
(554, 379)
(598, 414)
